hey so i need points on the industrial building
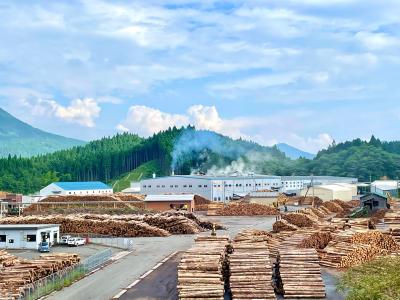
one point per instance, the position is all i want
(383, 187)
(217, 188)
(292, 184)
(374, 201)
(226, 188)
(28, 236)
(329, 192)
(169, 202)
(83, 188)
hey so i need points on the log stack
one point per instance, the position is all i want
(300, 273)
(246, 209)
(298, 219)
(16, 274)
(202, 269)
(251, 270)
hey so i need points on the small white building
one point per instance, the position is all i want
(28, 236)
(294, 184)
(329, 192)
(83, 188)
(134, 189)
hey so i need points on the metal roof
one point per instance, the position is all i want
(82, 185)
(169, 197)
(209, 177)
(26, 226)
(288, 178)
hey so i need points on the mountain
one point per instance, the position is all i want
(293, 152)
(21, 139)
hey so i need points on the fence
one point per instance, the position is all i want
(107, 240)
(65, 277)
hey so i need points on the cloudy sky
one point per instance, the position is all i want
(303, 72)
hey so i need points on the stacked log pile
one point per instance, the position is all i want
(317, 240)
(300, 273)
(250, 269)
(376, 238)
(283, 225)
(361, 254)
(201, 271)
(298, 219)
(246, 209)
(16, 274)
(77, 224)
(121, 225)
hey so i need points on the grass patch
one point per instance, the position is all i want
(375, 280)
(145, 170)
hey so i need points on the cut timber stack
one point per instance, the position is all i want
(201, 271)
(246, 209)
(251, 270)
(16, 274)
(301, 273)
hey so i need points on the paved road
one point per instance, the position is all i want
(109, 281)
(160, 284)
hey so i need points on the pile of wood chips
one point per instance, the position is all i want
(17, 274)
(301, 273)
(202, 269)
(250, 267)
(246, 209)
(283, 225)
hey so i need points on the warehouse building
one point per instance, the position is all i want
(374, 202)
(293, 184)
(217, 188)
(329, 192)
(28, 236)
(170, 202)
(83, 188)
(383, 187)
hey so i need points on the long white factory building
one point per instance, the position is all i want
(225, 188)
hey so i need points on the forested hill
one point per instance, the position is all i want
(187, 150)
(111, 157)
(21, 139)
(365, 160)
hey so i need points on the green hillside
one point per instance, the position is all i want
(125, 157)
(145, 170)
(21, 139)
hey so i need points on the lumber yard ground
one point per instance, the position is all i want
(147, 253)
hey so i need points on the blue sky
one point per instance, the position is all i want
(303, 72)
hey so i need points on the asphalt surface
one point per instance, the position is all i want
(160, 284)
(109, 281)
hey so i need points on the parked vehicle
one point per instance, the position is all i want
(76, 241)
(64, 239)
(44, 247)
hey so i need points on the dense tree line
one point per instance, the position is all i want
(111, 157)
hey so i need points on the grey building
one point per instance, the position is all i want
(373, 201)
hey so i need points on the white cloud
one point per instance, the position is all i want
(81, 111)
(146, 121)
(377, 40)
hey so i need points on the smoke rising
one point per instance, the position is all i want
(241, 155)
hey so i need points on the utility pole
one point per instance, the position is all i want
(312, 184)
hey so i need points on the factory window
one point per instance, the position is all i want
(149, 186)
(237, 184)
(163, 186)
(215, 185)
(240, 184)
(219, 185)
(226, 198)
(31, 237)
(11, 241)
(205, 185)
(158, 186)
(199, 185)
(185, 186)
(219, 198)
(2, 238)
(144, 186)
(176, 185)
(215, 198)
(171, 186)
(230, 198)
(190, 185)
